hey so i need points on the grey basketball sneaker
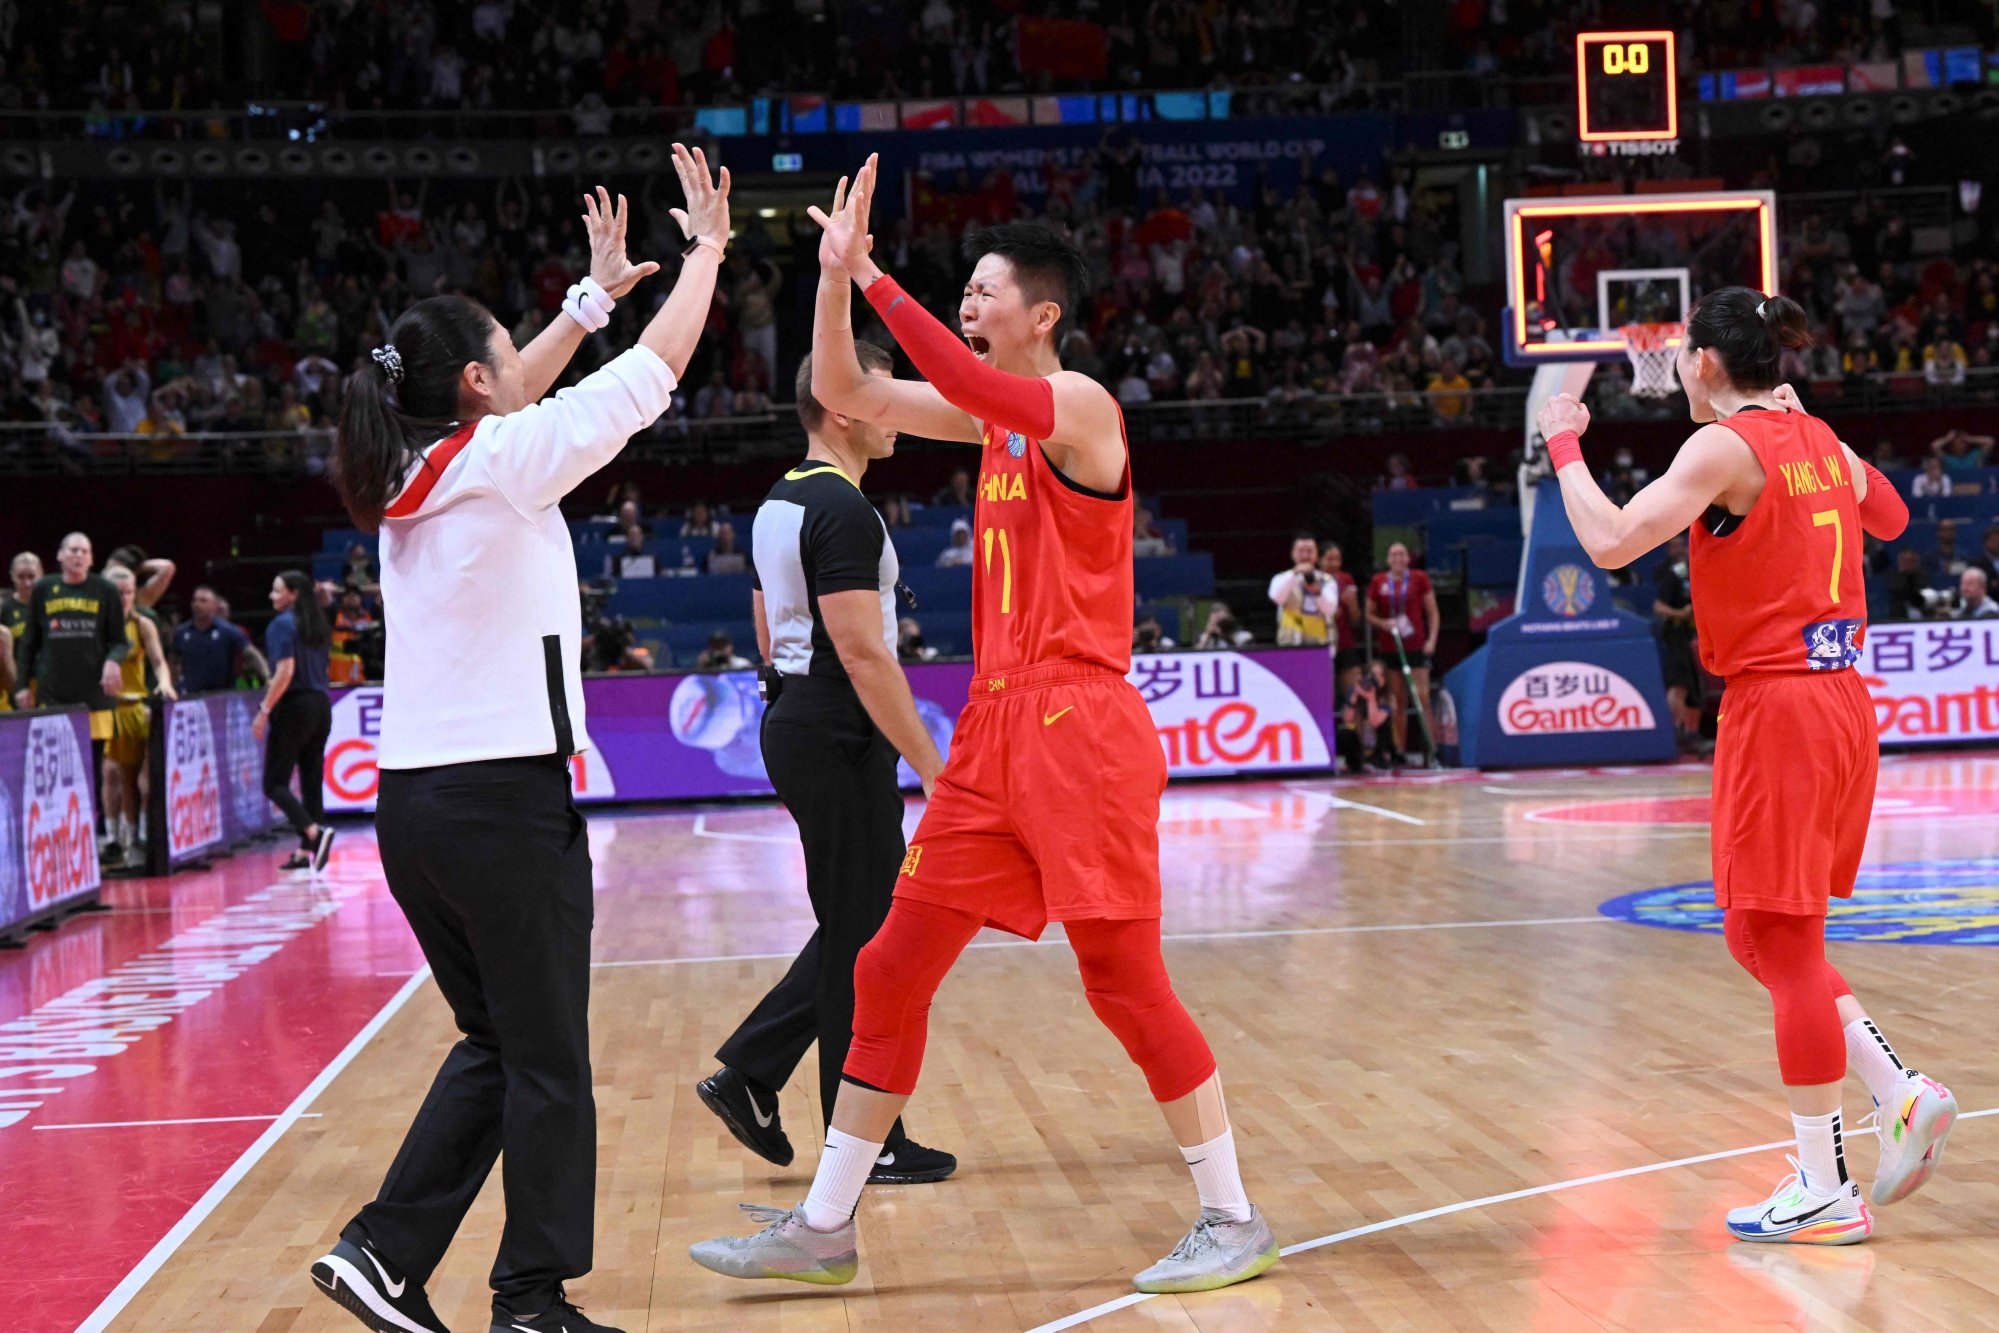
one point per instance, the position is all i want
(1218, 1252)
(786, 1248)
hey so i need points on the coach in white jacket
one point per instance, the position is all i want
(448, 448)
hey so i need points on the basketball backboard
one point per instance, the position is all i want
(1580, 266)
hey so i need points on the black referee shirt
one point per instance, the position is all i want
(816, 533)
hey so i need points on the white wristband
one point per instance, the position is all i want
(589, 305)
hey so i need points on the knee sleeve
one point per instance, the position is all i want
(1787, 954)
(1125, 980)
(895, 978)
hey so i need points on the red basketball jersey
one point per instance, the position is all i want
(1051, 562)
(1781, 591)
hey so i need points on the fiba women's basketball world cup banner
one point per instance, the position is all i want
(48, 815)
(695, 737)
(213, 764)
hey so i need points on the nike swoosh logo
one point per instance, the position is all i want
(763, 1121)
(1769, 1215)
(1049, 720)
(886, 1159)
(893, 304)
(394, 1289)
(330, 1286)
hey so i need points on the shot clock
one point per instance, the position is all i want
(1627, 87)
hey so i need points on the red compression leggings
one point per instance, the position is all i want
(1786, 953)
(1124, 977)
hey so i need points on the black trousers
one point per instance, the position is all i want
(491, 864)
(300, 725)
(835, 773)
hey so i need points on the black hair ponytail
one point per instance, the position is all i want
(405, 400)
(307, 613)
(1749, 331)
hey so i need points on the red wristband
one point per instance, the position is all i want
(1564, 448)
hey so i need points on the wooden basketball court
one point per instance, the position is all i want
(1467, 1093)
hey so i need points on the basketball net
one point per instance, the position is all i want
(1652, 349)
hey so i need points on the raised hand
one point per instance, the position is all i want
(1563, 412)
(606, 225)
(706, 217)
(846, 240)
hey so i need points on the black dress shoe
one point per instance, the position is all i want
(749, 1112)
(560, 1317)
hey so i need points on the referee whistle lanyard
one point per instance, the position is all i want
(1398, 607)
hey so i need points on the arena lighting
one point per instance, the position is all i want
(1607, 60)
(1758, 207)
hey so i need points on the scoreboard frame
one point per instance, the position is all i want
(1587, 70)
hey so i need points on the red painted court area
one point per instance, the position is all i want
(214, 999)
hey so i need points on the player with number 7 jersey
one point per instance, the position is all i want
(1778, 506)
(1048, 805)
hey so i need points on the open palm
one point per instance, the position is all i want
(706, 216)
(605, 223)
(845, 241)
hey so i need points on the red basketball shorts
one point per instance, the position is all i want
(1048, 808)
(1794, 771)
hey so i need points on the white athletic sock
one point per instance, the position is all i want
(1821, 1150)
(1874, 1059)
(837, 1184)
(125, 838)
(1216, 1177)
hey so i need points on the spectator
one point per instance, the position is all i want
(725, 558)
(207, 648)
(1149, 636)
(700, 522)
(1974, 597)
(720, 654)
(909, 645)
(1947, 561)
(1944, 363)
(1450, 394)
(125, 395)
(1961, 452)
(360, 571)
(1362, 731)
(636, 561)
(1402, 607)
(957, 493)
(958, 555)
(895, 512)
(296, 714)
(1223, 630)
(22, 572)
(1399, 477)
(1673, 620)
(1987, 559)
(1933, 483)
(1861, 306)
(1907, 585)
(1349, 645)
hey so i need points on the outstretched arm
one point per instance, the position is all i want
(544, 358)
(840, 385)
(1073, 416)
(1708, 465)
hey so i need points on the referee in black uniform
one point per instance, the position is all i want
(840, 711)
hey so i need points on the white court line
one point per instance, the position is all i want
(121, 1295)
(1410, 1219)
(1344, 804)
(198, 1120)
(701, 830)
(1191, 935)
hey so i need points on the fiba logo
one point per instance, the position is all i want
(1569, 590)
(1016, 444)
(1905, 902)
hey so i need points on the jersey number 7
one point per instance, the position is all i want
(1830, 517)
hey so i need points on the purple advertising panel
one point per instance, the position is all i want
(48, 816)
(212, 797)
(677, 737)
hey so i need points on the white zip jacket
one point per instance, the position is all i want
(479, 588)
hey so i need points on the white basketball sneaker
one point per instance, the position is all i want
(1218, 1252)
(1799, 1215)
(1913, 1126)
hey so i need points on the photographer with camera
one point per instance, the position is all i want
(1303, 617)
(609, 642)
(1361, 728)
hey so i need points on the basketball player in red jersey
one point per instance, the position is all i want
(1048, 807)
(1777, 505)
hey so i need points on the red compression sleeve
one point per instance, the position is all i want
(1025, 403)
(1883, 513)
(1565, 447)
